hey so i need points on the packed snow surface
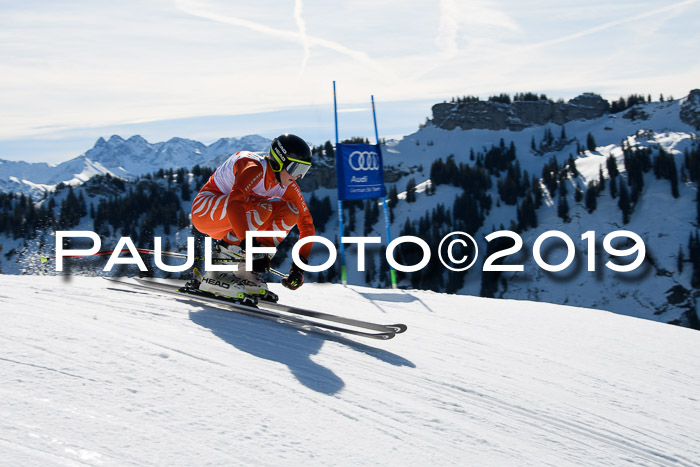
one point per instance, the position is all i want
(96, 374)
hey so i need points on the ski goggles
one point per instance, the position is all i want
(297, 168)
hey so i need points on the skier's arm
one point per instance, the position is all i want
(248, 173)
(306, 229)
(305, 222)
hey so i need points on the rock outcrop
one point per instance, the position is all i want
(690, 109)
(491, 115)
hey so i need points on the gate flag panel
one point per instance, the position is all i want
(360, 172)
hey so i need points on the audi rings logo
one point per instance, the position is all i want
(364, 160)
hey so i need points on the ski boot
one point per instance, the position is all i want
(255, 285)
(220, 284)
(233, 255)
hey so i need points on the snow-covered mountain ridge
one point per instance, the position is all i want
(98, 375)
(128, 158)
(502, 113)
(124, 158)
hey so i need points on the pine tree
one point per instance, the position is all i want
(611, 165)
(70, 212)
(591, 197)
(411, 191)
(673, 176)
(624, 203)
(537, 192)
(571, 164)
(563, 209)
(393, 197)
(590, 142)
(613, 188)
(563, 191)
(694, 257)
(82, 205)
(185, 192)
(665, 167)
(527, 215)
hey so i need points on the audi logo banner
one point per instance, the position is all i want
(359, 171)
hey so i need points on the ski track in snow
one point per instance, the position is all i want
(95, 374)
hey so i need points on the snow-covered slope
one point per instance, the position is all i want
(96, 375)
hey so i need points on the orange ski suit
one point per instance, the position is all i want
(243, 194)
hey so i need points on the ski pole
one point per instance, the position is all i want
(273, 271)
(45, 259)
(142, 251)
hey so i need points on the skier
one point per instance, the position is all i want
(254, 192)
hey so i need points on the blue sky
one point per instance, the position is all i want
(76, 70)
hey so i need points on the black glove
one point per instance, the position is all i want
(295, 279)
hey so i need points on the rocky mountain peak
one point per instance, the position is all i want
(690, 109)
(494, 115)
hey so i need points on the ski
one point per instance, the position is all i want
(269, 315)
(395, 328)
(273, 306)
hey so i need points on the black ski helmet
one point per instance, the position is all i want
(291, 153)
